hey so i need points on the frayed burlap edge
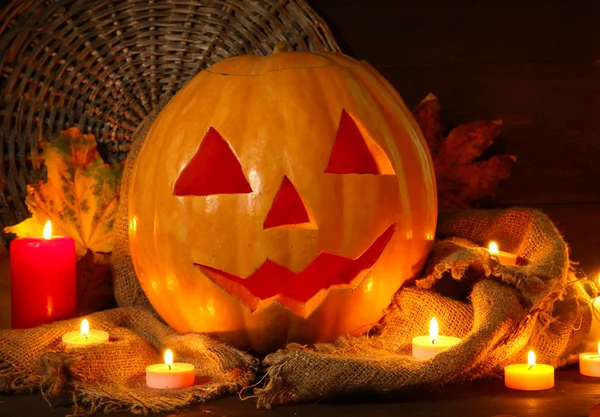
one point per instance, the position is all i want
(110, 377)
(89, 398)
(66, 372)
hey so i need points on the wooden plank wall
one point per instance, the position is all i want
(533, 64)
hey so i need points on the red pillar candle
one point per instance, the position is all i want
(43, 279)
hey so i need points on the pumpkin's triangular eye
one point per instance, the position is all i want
(355, 152)
(214, 169)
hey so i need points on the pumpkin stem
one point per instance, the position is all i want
(281, 46)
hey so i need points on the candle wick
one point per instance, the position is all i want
(433, 341)
(169, 367)
(529, 369)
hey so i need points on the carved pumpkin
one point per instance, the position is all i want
(281, 198)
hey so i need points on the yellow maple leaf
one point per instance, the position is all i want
(80, 195)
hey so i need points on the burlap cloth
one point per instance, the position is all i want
(499, 311)
(111, 376)
(128, 291)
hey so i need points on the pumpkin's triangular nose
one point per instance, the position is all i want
(287, 209)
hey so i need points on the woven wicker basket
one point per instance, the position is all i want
(103, 65)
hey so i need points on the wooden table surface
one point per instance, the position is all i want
(573, 396)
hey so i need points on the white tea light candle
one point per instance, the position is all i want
(424, 347)
(589, 363)
(84, 337)
(529, 376)
(170, 375)
(505, 258)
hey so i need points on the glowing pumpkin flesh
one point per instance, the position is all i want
(281, 198)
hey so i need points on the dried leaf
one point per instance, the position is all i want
(80, 195)
(477, 180)
(428, 114)
(467, 142)
(461, 177)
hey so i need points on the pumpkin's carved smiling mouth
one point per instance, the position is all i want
(301, 292)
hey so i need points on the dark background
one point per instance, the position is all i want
(533, 64)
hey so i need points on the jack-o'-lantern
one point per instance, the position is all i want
(281, 199)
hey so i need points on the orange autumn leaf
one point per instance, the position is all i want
(462, 177)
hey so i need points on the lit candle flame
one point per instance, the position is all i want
(169, 358)
(85, 328)
(47, 230)
(433, 330)
(531, 358)
(493, 248)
